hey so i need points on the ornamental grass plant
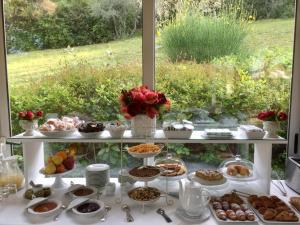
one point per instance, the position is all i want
(196, 36)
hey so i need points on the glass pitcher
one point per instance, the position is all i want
(11, 173)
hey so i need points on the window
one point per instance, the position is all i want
(223, 62)
(80, 54)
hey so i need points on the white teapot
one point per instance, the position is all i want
(193, 197)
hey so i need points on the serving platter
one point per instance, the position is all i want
(220, 184)
(58, 134)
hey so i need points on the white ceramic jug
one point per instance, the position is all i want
(193, 198)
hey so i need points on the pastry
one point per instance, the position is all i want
(234, 170)
(235, 206)
(216, 205)
(262, 210)
(257, 204)
(144, 148)
(295, 201)
(252, 198)
(232, 198)
(286, 216)
(270, 214)
(244, 207)
(279, 209)
(240, 215)
(210, 175)
(225, 205)
(231, 214)
(250, 215)
(172, 169)
(221, 214)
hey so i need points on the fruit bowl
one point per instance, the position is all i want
(58, 183)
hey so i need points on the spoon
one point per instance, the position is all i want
(107, 209)
(162, 212)
(126, 209)
(63, 207)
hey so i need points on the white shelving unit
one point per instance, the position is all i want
(33, 149)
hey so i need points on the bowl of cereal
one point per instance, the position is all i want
(144, 194)
(145, 150)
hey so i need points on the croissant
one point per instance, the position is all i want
(286, 216)
(221, 214)
(231, 214)
(240, 215)
(295, 201)
(270, 214)
(216, 205)
(250, 215)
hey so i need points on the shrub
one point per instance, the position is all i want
(199, 38)
(93, 93)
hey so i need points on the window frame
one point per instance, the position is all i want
(148, 64)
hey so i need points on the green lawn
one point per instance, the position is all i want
(35, 64)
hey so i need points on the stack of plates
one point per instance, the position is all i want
(97, 175)
(218, 133)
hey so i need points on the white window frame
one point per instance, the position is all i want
(148, 64)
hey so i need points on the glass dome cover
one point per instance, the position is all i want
(238, 169)
(172, 167)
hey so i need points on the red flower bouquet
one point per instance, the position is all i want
(272, 116)
(141, 100)
(30, 115)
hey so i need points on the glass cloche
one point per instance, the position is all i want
(237, 169)
(172, 167)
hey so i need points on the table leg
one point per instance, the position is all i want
(33, 154)
(263, 165)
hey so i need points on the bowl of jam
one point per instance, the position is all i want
(45, 208)
(84, 191)
(89, 208)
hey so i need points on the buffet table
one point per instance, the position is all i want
(12, 210)
(33, 150)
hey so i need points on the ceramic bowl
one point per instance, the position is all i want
(90, 214)
(93, 194)
(48, 213)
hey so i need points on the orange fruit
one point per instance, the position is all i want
(60, 169)
(62, 154)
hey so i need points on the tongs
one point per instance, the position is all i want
(243, 194)
(281, 188)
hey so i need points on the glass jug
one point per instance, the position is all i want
(11, 173)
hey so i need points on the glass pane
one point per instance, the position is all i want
(72, 57)
(223, 62)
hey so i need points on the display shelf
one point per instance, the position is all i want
(33, 149)
(159, 137)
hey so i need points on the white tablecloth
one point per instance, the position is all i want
(12, 210)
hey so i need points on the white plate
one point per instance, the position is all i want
(143, 179)
(173, 178)
(56, 174)
(178, 134)
(231, 221)
(144, 155)
(220, 184)
(217, 137)
(240, 178)
(58, 134)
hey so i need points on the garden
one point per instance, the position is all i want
(230, 59)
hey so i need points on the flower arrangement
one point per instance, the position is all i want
(272, 115)
(30, 115)
(141, 100)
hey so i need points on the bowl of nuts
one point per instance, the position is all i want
(145, 150)
(144, 173)
(144, 194)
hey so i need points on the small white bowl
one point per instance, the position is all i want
(255, 134)
(178, 134)
(93, 194)
(116, 131)
(90, 214)
(90, 134)
(48, 213)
